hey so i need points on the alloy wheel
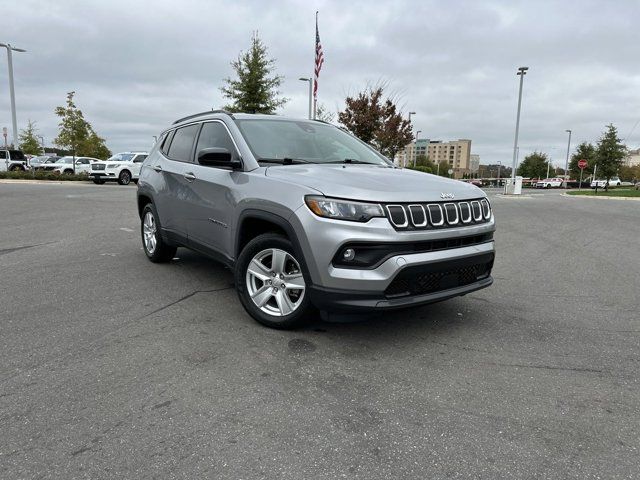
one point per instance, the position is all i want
(149, 231)
(275, 283)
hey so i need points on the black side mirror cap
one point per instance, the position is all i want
(217, 157)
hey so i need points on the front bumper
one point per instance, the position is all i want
(102, 175)
(441, 274)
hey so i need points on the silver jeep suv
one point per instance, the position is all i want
(309, 216)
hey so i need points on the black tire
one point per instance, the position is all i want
(68, 172)
(303, 312)
(163, 252)
(15, 168)
(125, 177)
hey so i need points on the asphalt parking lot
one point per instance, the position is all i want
(113, 367)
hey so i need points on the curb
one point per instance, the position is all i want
(31, 182)
(599, 197)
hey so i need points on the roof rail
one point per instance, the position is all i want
(209, 112)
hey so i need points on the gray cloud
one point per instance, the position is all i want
(136, 66)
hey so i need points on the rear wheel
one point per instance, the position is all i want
(15, 168)
(124, 178)
(68, 172)
(156, 249)
(270, 282)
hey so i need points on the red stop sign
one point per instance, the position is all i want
(582, 164)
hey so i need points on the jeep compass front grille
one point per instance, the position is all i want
(420, 216)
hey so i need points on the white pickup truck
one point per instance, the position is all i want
(123, 167)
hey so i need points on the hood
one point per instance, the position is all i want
(374, 184)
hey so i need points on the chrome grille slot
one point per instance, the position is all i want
(476, 210)
(435, 214)
(451, 212)
(418, 216)
(465, 212)
(397, 215)
(486, 209)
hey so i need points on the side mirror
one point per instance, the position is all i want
(217, 157)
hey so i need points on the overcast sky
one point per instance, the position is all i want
(136, 66)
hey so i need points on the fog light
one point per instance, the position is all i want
(348, 254)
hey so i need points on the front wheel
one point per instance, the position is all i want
(124, 178)
(154, 246)
(270, 282)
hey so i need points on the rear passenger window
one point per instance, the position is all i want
(214, 134)
(167, 142)
(140, 159)
(182, 143)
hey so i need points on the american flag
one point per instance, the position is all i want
(319, 61)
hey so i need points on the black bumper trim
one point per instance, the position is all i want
(334, 300)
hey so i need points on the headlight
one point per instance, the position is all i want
(343, 209)
(112, 165)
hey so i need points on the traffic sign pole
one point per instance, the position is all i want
(582, 164)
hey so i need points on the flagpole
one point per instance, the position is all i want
(315, 77)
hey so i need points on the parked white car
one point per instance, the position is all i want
(64, 165)
(123, 167)
(614, 182)
(549, 183)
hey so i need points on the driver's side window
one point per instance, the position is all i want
(215, 135)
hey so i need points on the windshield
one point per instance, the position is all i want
(65, 160)
(121, 157)
(305, 141)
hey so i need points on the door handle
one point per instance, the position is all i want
(157, 168)
(190, 177)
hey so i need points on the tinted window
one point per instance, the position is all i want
(139, 159)
(215, 135)
(167, 142)
(182, 143)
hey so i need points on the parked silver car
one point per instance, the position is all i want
(308, 215)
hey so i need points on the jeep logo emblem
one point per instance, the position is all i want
(447, 196)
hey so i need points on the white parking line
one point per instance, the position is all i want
(125, 229)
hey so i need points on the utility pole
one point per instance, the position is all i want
(12, 92)
(415, 150)
(522, 71)
(566, 163)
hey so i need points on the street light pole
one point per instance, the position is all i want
(415, 150)
(566, 163)
(405, 157)
(499, 165)
(302, 79)
(522, 71)
(12, 92)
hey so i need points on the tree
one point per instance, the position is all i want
(584, 151)
(423, 164)
(377, 121)
(610, 154)
(77, 134)
(255, 90)
(324, 114)
(535, 165)
(28, 140)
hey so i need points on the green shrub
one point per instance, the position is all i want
(20, 175)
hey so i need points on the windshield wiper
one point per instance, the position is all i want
(284, 161)
(352, 160)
